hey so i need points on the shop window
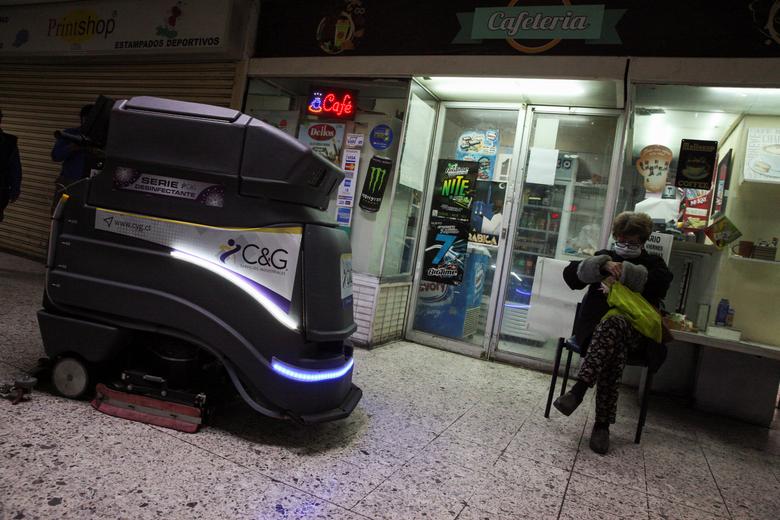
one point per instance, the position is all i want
(359, 129)
(700, 160)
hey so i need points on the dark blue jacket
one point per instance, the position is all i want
(72, 158)
(10, 165)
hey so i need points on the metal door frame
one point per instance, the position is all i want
(609, 207)
(450, 344)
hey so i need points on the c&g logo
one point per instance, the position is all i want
(253, 254)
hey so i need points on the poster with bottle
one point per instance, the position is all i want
(454, 189)
(374, 184)
(326, 139)
(481, 147)
(445, 251)
(487, 212)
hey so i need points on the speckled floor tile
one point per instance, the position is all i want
(662, 509)
(515, 500)
(553, 441)
(283, 502)
(392, 502)
(456, 450)
(678, 471)
(426, 473)
(150, 476)
(541, 449)
(333, 480)
(747, 482)
(577, 510)
(481, 426)
(606, 497)
(426, 442)
(622, 465)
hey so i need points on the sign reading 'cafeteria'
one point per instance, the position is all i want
(668, 28)
(115, 27)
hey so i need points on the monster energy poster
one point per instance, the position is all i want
(445, 251)
(455, 186)
(375, 183)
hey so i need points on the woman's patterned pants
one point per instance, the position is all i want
(604, 361)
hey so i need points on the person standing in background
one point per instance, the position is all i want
(10, 169)
(72, 156)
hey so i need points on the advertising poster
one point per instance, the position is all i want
(115, 27)
(696, 212)
(326, 139)
(267, 257)
(762, 156)
(381, 137)
(481, 147)
(721, 186)
(696, 164)
(454, 189)
(130, 179)
(355, 140)
(445, 251)
(722, 232)
(653, 165)
(660, 244)
(344, 216)
(345, 198)
(487, 210)
(374, 185)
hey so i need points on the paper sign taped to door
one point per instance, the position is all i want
(553, 303)
(542, 163)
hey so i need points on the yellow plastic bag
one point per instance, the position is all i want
(642, 316)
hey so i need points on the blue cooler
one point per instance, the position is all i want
(453, 310)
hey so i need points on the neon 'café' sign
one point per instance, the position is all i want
(534, 29)
(332, 103)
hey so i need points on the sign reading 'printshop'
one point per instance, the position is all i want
(116, 27)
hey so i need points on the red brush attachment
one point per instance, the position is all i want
(148, 410)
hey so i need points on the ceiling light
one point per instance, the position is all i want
(456, 87)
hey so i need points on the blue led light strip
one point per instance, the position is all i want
(310, 376)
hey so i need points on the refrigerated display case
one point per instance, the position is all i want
(561, 221)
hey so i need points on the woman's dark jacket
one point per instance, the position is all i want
(646, 274)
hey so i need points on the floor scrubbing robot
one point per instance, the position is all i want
(203, 242)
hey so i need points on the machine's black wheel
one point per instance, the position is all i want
(70, 377)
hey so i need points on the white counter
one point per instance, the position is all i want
(743, 347)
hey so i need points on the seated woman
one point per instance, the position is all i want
(607, 343)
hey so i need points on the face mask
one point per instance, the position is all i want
(627, 251)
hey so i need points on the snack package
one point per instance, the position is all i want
(480, 146)
(722, 232)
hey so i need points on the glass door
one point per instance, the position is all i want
(468, 203)
(562, 205)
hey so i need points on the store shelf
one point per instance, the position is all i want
(753, 260)
(693, 247)
(590, 185)
(537, 230)
(543, 208)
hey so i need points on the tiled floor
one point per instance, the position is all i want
(436, 435)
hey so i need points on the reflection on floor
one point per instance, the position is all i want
(437, 435)
(530, 349)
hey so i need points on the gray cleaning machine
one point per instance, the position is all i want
(203, 241)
